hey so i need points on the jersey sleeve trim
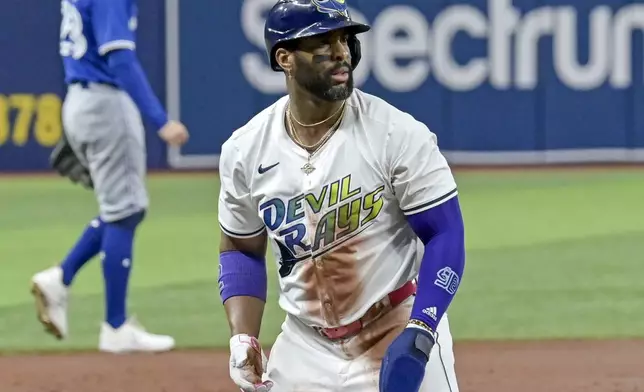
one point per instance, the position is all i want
(236, 234)
(114, 45)
(430, 204)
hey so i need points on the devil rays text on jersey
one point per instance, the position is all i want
(343, 210)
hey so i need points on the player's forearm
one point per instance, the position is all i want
(243, 290)
(442, 231)
(244, 315)
(132, 79)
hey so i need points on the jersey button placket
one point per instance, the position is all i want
(325, 296)
(309, 183)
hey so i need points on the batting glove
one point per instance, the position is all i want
(403, 366)
(248, 364)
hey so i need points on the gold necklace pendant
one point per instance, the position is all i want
(308, 168)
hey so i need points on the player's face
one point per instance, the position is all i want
(322, 65)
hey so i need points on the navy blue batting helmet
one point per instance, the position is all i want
(289, 20)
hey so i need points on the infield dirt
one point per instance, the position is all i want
(550, 366)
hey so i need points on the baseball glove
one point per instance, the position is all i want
(64, 160)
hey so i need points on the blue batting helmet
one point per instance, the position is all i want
(289, 20)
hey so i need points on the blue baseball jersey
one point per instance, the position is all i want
(89, 30)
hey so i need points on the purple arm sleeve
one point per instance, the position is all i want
(441, 230)
(241, 274)
(132, 79)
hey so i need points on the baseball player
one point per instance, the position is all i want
(104, 135)
(362, 213)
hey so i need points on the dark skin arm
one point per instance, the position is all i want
(244, 313)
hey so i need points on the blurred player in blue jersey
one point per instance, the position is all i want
(107, 91)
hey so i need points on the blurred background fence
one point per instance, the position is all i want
(499, 81)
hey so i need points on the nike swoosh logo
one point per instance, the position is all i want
(262, 170)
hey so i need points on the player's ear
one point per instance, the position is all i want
(285, 60)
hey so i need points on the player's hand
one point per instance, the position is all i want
(174, 133)
(248, 364)
(403, 366)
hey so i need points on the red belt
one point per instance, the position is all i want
(396, 297)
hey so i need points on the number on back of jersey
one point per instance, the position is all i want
(72, 41)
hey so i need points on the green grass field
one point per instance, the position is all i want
(550, 255)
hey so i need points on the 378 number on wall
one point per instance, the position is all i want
(23, 116)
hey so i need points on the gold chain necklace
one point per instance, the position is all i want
(317, 123)
(308, 168)
(317, 145)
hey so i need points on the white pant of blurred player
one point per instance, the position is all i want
(302, 360)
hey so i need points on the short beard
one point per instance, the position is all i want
(321, 85)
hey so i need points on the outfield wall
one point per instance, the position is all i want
(499, 81)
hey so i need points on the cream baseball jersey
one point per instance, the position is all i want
(335, 219)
